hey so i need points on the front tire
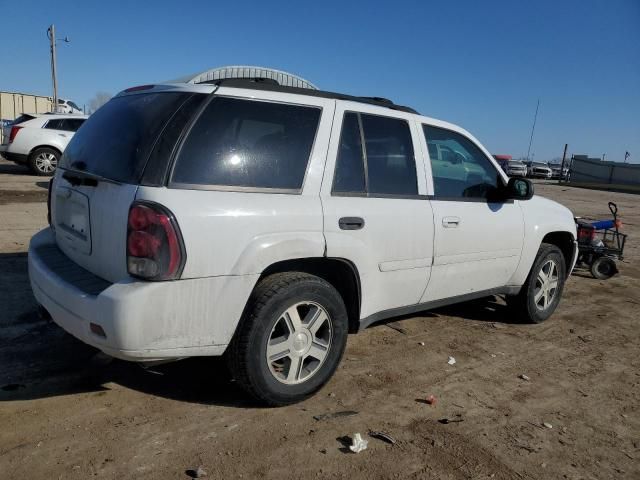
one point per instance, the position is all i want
(290, 339)
(43, 161)
(540, 295)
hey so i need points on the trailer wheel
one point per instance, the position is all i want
(603, 268)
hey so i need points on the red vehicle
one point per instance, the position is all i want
(503, 161)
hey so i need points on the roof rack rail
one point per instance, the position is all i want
(273, 86)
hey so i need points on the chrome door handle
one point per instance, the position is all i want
(450, 222)
(351, 223)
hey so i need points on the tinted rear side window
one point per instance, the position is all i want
(72, 124)
(54, 124)
(116, 140)
(389, 166)
(349, 176)
(245, 143)
(390, 160)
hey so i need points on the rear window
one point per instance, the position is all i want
(115, 142)
(245, 143)
(22, 118)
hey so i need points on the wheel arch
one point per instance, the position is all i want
(52, 147)
(565, 241)
(340, 273)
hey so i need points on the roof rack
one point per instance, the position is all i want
(271, 85)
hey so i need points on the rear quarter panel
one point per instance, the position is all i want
(240, 233)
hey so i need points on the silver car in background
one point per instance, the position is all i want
(516, 168)
(557, 172)
(538, 170)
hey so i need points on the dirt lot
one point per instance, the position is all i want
(67, 413)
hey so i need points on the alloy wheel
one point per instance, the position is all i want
(299, 343)
(46, 162)
(546, 285)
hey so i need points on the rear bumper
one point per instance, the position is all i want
(142, 321)
(14, 157)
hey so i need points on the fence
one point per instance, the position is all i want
(606, 175)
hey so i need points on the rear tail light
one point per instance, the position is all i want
(586, 234)
(155, 250)
(14, 131)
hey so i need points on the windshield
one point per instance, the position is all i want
(115, 142)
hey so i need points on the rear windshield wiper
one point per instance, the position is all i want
(78, 177)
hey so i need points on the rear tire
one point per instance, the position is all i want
(603, 268)
(43, 161)
(290, 339)
(541, 293)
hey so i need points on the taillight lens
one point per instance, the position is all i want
(14, 131)
(155, 250)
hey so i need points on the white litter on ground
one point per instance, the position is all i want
(358, 443)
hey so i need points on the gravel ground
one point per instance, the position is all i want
(67, 412)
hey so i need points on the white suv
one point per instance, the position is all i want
(265, 222)
(39, 140)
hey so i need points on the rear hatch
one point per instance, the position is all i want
(99, 174)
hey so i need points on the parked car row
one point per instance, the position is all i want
(517, 168)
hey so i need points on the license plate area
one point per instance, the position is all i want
(73, 224)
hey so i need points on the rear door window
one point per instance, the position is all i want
(386, 164)
(390, 161)
(350, 176)
(250, 144)
(116, 140)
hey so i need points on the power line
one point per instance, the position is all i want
(535, 117)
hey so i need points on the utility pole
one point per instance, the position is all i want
(51, 33)
(535, 117)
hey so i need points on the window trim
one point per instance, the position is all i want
(237, 188)
(366, 193)
(433, 179)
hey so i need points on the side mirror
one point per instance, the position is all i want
(519, 189)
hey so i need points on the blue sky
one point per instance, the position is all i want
(480, 64)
